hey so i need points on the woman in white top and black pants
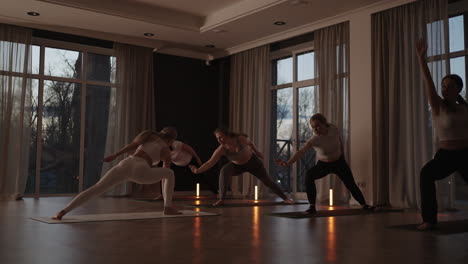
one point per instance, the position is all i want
(450, 119)
(328, 145)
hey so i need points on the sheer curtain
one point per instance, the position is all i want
(331, 46)
(403, 138)
(15, 110)
(132, 105)
(250, 106)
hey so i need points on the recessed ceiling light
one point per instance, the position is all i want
(33, 14)
(219, 30)
(280, 23)
(210, 46)
(148, 34)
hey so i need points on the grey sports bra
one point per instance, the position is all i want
(237, 155)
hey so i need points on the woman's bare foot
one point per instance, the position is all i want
(426, 227)
(219, 202)
(289, 201)
(59, 215)
(169, 210)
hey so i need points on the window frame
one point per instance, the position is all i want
(41, 78)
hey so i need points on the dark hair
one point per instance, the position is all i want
(228, 132)
(319, 117)
(457, 79)
(168, 133)
(459, 83)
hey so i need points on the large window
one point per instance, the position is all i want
(294, 93)
(458, 53)
(71, 96)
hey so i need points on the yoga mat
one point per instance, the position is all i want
(178, 198)
(329, 213)
(117, 217)
(249, 203)
(443, 228)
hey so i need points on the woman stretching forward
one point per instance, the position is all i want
(328, 145)
(148, 148)
(243, 157)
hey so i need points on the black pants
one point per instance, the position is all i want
(253, 166)
(444, 163)
(341, 169)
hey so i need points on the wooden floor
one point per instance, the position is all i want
(238, 235)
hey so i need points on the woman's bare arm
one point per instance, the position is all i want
(297, 155)
(192, 152)
(217, 154)
(130, 148)
(431, 92)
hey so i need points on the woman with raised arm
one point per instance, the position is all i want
(243, 157)
(328, 145)
(450, 120)
(146, 149)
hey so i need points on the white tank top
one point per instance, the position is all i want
(153, 149)
(327, 147)
(452, 125)
(178, 156)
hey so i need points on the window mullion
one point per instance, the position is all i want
(83, 120)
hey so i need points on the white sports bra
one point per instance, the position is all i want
(452, 125)
(178, 156)
(153, 149)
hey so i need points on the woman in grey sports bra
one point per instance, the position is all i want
(243, 157)
(146, 151)
(450, 119)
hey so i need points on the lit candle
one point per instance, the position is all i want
(256, 193)
(198, 190)
(331, 197)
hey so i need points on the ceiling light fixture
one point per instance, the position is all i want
(279, 23)
(210, 46)
(33, 14)
(148, 34)
(219, 30)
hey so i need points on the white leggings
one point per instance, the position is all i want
(132, 169)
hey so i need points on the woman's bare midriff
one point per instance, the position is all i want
(243, 161)
(453, 144)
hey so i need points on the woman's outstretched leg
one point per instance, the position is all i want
(255, 166)
(318, 171)
(346, 176)
(116, 175)
(225, 175)
(146, 175)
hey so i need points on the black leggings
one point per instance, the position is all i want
(444, 163)
(253, 166)
(341, 169)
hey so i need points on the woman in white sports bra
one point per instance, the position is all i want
(450, 120)
(243, 157)
(146, 151)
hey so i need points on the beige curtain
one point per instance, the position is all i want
(132, 105)
(15, 110)
(403, 138)
(250, 107)
(331, 46)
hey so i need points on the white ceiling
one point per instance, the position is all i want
(186, 26)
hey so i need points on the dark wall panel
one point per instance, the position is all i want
(193, 97)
